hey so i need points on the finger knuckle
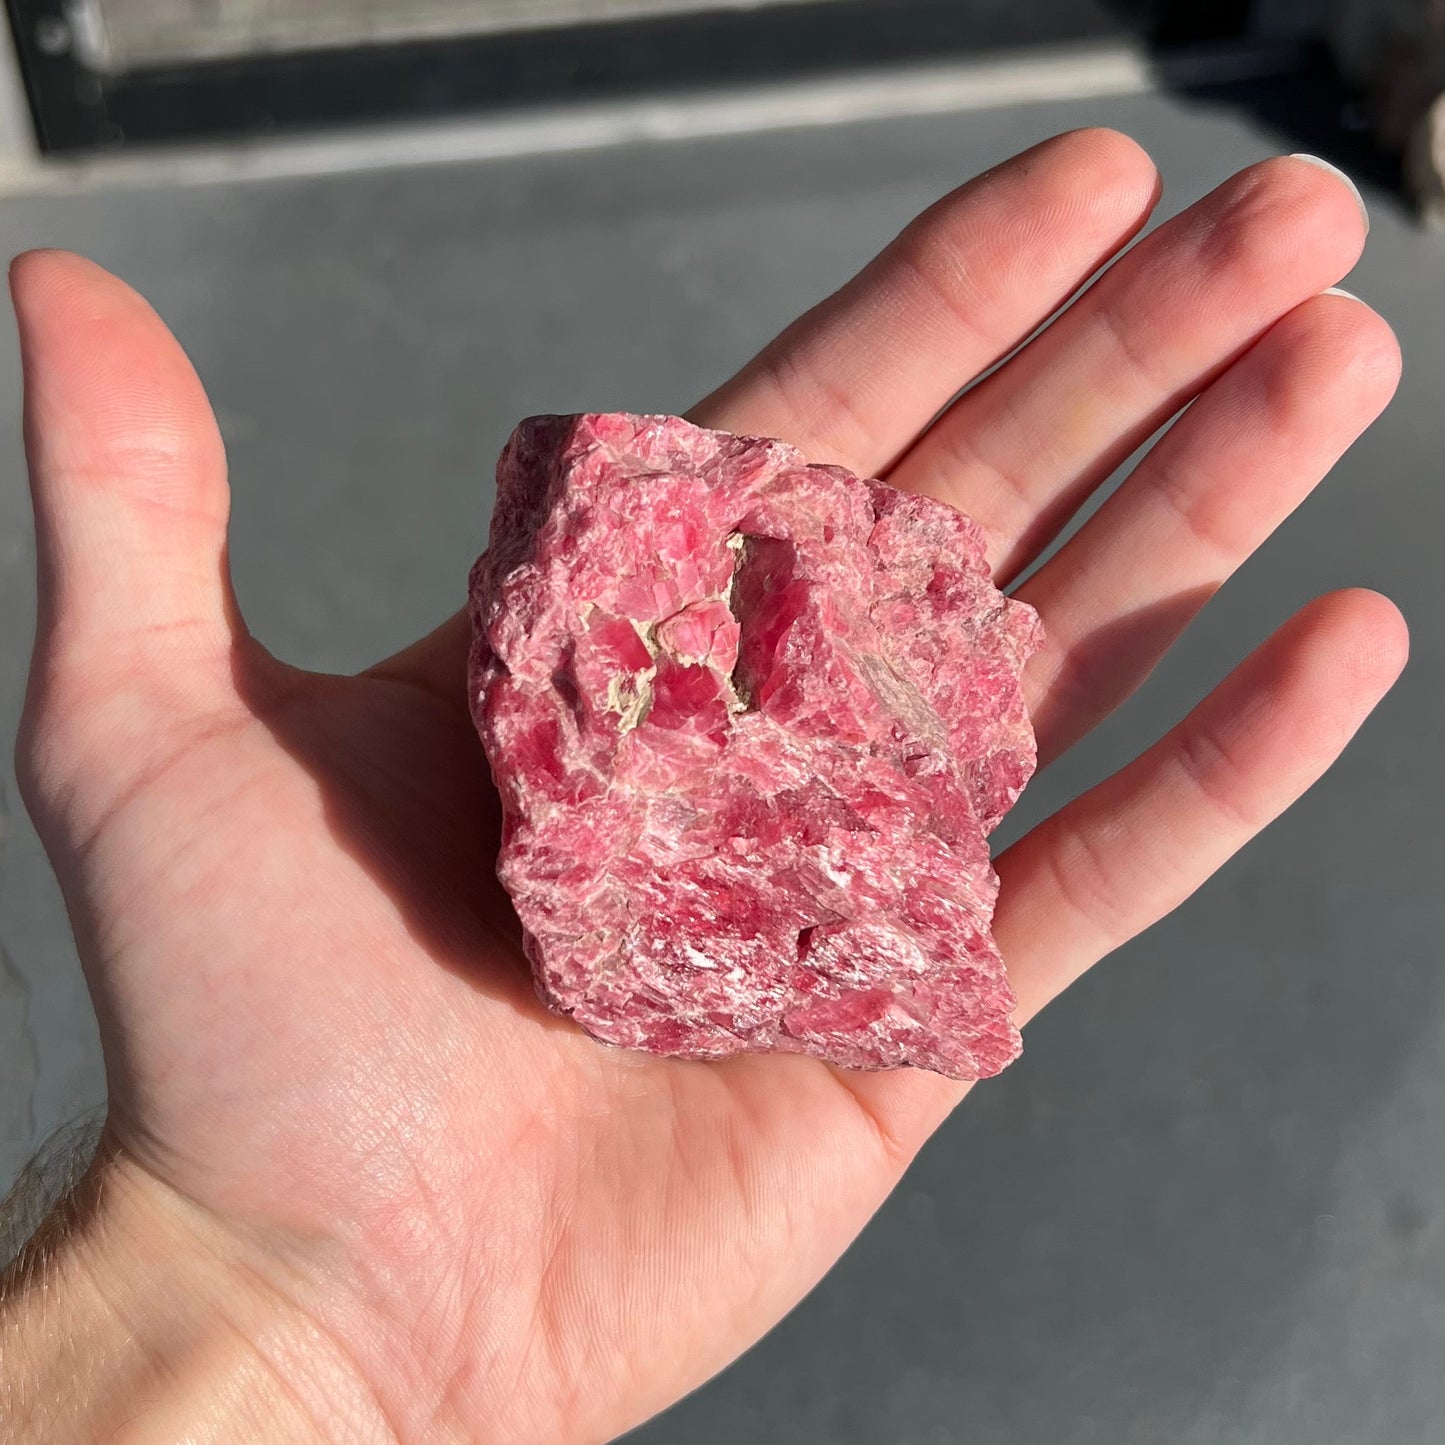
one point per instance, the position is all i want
(1086, 879)
(1278, 208)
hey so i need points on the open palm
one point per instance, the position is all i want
(324, 1051)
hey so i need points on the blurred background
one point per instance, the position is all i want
(1209, 1203)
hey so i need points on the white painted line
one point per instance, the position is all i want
(1028, 78)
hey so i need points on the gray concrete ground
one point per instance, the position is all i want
(1207, 1205)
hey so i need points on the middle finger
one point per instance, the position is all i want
(1022, 449)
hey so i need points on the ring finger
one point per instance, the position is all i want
(1223, 477)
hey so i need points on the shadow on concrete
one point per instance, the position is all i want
(1311, 109)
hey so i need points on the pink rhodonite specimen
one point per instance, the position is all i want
(752, 722)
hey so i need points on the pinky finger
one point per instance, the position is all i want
(1129, 851)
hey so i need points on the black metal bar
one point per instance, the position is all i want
(67, 101)
(77, 109)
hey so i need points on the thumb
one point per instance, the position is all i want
(136, 620)
(126, 465)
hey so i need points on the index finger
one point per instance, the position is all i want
(857, 378)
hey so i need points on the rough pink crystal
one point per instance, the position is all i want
(752, 722)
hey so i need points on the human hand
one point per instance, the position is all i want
(388, 1194)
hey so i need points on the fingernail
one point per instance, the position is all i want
(1324, 165)
(1340, 291)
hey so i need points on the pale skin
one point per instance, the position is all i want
(356, 1184)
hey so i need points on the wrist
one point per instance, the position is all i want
(135, 1316)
